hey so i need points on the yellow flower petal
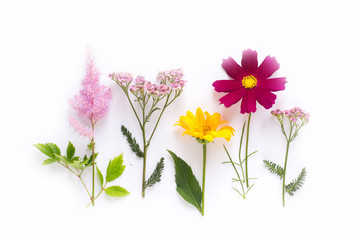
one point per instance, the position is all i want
(204, 126)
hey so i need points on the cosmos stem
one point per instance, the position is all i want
(246, 151)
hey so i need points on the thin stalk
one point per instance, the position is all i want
(157, 122)
(246, 151)
(93, 165)
(144, 148)
(288, 140)
(240, 146)
(237, 173)
(79, 175)
(203, 181)
(102, 189)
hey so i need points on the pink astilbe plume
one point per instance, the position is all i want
(93, 100)
(81, 128)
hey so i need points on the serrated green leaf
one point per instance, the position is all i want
(116, 191)
(49, 149)
(62, 159)
(49, 161)
(115, 168)
(77, 164)
(70, 151)
(101, 177)
(187, 185)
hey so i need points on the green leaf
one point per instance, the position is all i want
(77, 164)
(49, 149)
(116, 191)
(187, 185)
(62, 159)
(115, 168)
(101, 177)
(70, 151)
(156, 175)
(49, 161)
(134, 146)
(297, 183)
(274, 168)
(147, 118)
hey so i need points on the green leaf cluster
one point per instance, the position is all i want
(186, 183)
(114, 170)
(297, 183)
(134, 146)
(156, 175)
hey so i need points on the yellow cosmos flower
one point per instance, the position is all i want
(205, 126)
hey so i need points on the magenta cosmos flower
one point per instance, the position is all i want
(250, 82)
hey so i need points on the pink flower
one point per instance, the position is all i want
(81, 128)
(250, 82)
(93, 100)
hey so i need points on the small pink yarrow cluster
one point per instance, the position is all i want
(293, 114)
(93, 100)
(169, 80)
(174, 77)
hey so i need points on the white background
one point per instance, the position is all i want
(43, 59)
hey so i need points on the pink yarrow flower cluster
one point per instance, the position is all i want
(92, 101)
(293, 114)
(174, 77)
(169, 80)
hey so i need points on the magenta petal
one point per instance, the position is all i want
(233, 69)
(273, 84)
(267, 67)
(249, 61)
(248, 103)
(226, 85)
(232, 97)
(264, 97)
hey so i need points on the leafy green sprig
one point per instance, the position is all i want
(77, 165)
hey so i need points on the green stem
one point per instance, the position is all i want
(246, 151)
(157, 122)
(283, 187)
(237, 173)
(102, 189)
(93, 165)
(144, 150)
(203, 181)
(79, 175)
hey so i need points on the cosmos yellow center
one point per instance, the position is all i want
(249, 82)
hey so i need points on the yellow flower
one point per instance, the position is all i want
(204, 126)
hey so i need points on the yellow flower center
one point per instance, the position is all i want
(249, 82)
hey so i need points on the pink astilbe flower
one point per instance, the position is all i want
(93, 100)
(81, 128)
(251, 83)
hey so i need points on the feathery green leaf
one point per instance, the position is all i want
(147, 118)
(156, 175)
(134, 146)
(297, 183)
(274, 168)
